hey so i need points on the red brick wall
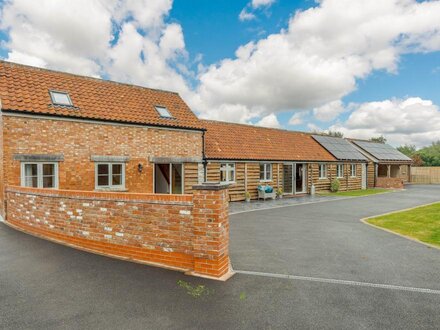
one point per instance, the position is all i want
(168, 230)
(1, 168)
(394, 183)
(77, 141)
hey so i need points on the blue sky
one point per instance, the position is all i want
(347, 65)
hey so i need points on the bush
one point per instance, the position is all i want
(335, 185)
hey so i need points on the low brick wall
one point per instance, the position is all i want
(184, 232)
(391, 183)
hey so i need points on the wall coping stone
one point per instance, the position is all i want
(211, 186)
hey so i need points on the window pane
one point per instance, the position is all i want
(48, 182)
(48, 169)
(117, 169)
(163, 112)
(223, 176)
(31, 170)
(31, 182)
(60, 98)
(103, 169)
(232, 175)
(117, 180)
(102, 180)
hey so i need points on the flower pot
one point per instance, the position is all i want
(247, 200)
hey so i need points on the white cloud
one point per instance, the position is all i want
(269, 121)
(245, 15)
(79, 36)
(411, 121)
(261, 3)
(297, 118)
(329, 111)
(321, 55)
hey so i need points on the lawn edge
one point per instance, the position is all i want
(365, 221)
(379, 193)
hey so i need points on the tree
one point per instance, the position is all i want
(417, 160)
(379, 139)
(431, 155)
(408, 149)
(330, 133)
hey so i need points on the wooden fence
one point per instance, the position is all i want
(425, 175)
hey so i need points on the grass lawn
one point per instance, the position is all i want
(365, 192)
(422, 223)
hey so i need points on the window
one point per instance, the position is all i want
(163, 111)
(353, 170)
(60, 98)
(265, 172)
(322, 171)
(340, 170)
(39, 175)
(227, 172)
(110, 175)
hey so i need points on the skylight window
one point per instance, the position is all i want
(60, 98)
(163, 111)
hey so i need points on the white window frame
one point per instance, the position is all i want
(338, 167)
(110, 174)
(39, 174)
(322, 171)
(265, 167)
(353, 170)
(52, 97)
(228, 168)
(165, 112)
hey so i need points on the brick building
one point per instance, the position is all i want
(65, 131)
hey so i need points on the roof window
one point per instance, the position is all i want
(60, 98)
(163, 111)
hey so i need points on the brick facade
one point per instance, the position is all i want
(184, 232)
(77, 141)
(389, 183)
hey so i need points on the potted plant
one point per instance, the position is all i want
(247, 196)
(280, 193)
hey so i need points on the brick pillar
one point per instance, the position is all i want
(211, 231)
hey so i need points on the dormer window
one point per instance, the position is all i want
(60, 98)
(163, 111)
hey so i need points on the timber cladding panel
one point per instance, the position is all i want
(186, 232)
(77, 141)
(371, 172)
(248, 182)
(347, 182)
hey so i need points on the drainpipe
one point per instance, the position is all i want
(205, 162)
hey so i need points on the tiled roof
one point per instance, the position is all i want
(246, 142)
(26, 89)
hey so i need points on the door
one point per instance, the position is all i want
(288, 178)
(300, 178)
(168, 178)
(364, 176)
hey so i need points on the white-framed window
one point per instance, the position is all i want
(110, 175)
(39, 174)
(60, 98)
(353, 170)
(227, 172)
(322, 171)
(265, 172)
(163, 111)
(340, 170)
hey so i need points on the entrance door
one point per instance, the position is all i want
(168, 179)
(300, 178)
(288, 178)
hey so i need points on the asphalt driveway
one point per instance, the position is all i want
(328, 240)
(47, 286)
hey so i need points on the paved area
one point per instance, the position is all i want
(255, 205)
(48, 286)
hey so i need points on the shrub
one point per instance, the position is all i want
(335, 185)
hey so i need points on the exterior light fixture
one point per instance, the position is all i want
(140, 168)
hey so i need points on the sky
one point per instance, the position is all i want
(364, 68)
